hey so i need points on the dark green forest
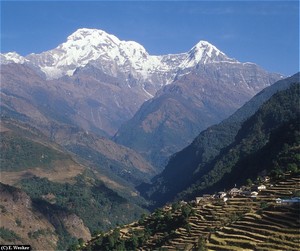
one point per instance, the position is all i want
(268, 140)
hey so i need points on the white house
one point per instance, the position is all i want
(261, 187)
(225, 199)
(198, 199)
(235, 191)
(222, 194)
(253, 194)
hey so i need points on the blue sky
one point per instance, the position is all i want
(263, 32)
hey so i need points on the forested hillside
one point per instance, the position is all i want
(189, 166)
(67, 200)
(268, 140)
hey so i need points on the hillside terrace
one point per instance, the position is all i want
(241, 222)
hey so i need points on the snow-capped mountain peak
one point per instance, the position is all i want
(118, 58)
(12, 57)
(103, 50)
(86, 33)
(204, 52)
(93, 37)
(204, 47)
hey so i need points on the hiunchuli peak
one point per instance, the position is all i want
(204, 52)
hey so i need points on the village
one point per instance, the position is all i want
(251, 191)
(262, 216)
(277, 198)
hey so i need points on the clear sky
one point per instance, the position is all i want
(263, 32)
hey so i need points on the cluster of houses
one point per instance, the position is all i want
(246, 192)
(243, 191)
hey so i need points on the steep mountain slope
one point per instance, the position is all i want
(58, 110)
(239, 223)
(194, 161)
(26, 152)
(117, 165)
(262, 140)
(69, 198)
(23, 222)
(207, 94)
(89, 99)
(117, 162)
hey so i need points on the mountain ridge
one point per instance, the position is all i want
(205, 147)
(86, 46)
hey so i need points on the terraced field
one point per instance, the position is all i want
(240, 223)
(273, 228)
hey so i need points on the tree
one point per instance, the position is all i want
(169, 216)
(201, 244)
(134, 241)
(116, 233)
(188, 227)
(175, 207)
(143, 218)
(111, 241)
(186, 211)
(80, 241)
(249, 182)
(292, 167)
